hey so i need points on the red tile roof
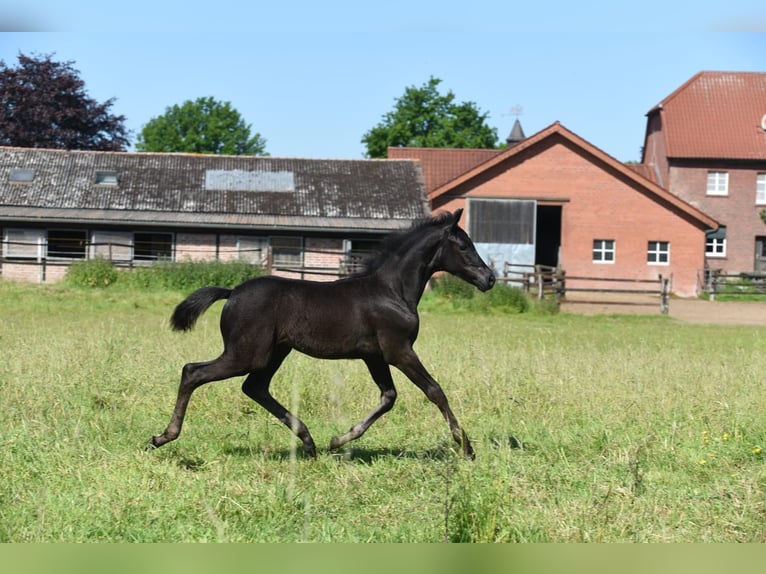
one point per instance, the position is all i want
(557, 130)
(441, 165)
(716, 115)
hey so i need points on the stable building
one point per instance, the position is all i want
(555, 199)
(309, 218)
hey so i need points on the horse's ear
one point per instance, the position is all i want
(456, 216)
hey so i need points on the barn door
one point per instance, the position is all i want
(503, 230)
(760, 255)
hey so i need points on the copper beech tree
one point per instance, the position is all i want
(44, 104)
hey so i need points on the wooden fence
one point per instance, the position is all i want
(717, 282)
(543, 281)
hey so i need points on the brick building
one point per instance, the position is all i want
(301, 217)
(555, 199)
(706, 144)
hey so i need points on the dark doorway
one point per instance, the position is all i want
(548, 235)
(760, 255)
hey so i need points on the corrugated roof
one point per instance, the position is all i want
(716, 115)
(155, 187)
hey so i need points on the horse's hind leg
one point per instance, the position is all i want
(195, 375)
(381, 374)
(256, 386)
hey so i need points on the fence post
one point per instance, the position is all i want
(560, 285)
(539, 280)
(664, 295)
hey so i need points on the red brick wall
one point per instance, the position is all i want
(597, 203)
(737, 210)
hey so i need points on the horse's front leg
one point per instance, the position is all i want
(409, 364)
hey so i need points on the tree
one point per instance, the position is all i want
(44, 104)
(200, 126)
(423, 117)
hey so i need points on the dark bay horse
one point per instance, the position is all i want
(370, 316)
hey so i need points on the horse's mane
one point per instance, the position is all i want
(399, 242)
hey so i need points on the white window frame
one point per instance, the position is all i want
(715, 247)
(760, 189)
(21, 243)
(602, 248)
(287, 251)
(252, 249)
(69, 243)
(655, 252)
(150, 253)
(717, 183)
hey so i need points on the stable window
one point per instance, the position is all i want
(658, 253)
(717, 183)
(152, 246)
(715, 243)
(252, 249)
(603, 251)
(67, 243)
(287, 251)
(356, 253)
(23, 243)
(760, 189)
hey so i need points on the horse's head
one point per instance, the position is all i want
(459, 256)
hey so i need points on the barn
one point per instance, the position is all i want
(555, 199)
(308, 218)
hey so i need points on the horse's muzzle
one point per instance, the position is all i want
(487, 282)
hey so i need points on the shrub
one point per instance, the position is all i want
(191, 275)
(464, 296)
(98, 272)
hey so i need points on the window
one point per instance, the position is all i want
(112, 245)
(717, 183)
(715, 243)
(603, 251)
(21, 175)
(658, 253)
(252, 249)
(67, 243)
(760, 189)
(287, 251)
(23, 243)
(152, 246)
(356, 251)
(106, 178)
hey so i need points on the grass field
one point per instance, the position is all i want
(603, 429)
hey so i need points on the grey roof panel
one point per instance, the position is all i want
(177, 188)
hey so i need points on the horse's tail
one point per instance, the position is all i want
(188, 311)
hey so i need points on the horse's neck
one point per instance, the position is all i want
(409, 272)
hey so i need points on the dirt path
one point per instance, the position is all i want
(689, 310)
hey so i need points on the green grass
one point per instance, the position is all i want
(603, 429)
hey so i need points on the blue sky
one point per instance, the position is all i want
(313, 77)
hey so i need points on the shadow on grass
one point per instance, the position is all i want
(349, 453)
(354, 454)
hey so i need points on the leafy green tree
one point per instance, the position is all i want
(44, 104)
(423, 117)
(204, 125)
